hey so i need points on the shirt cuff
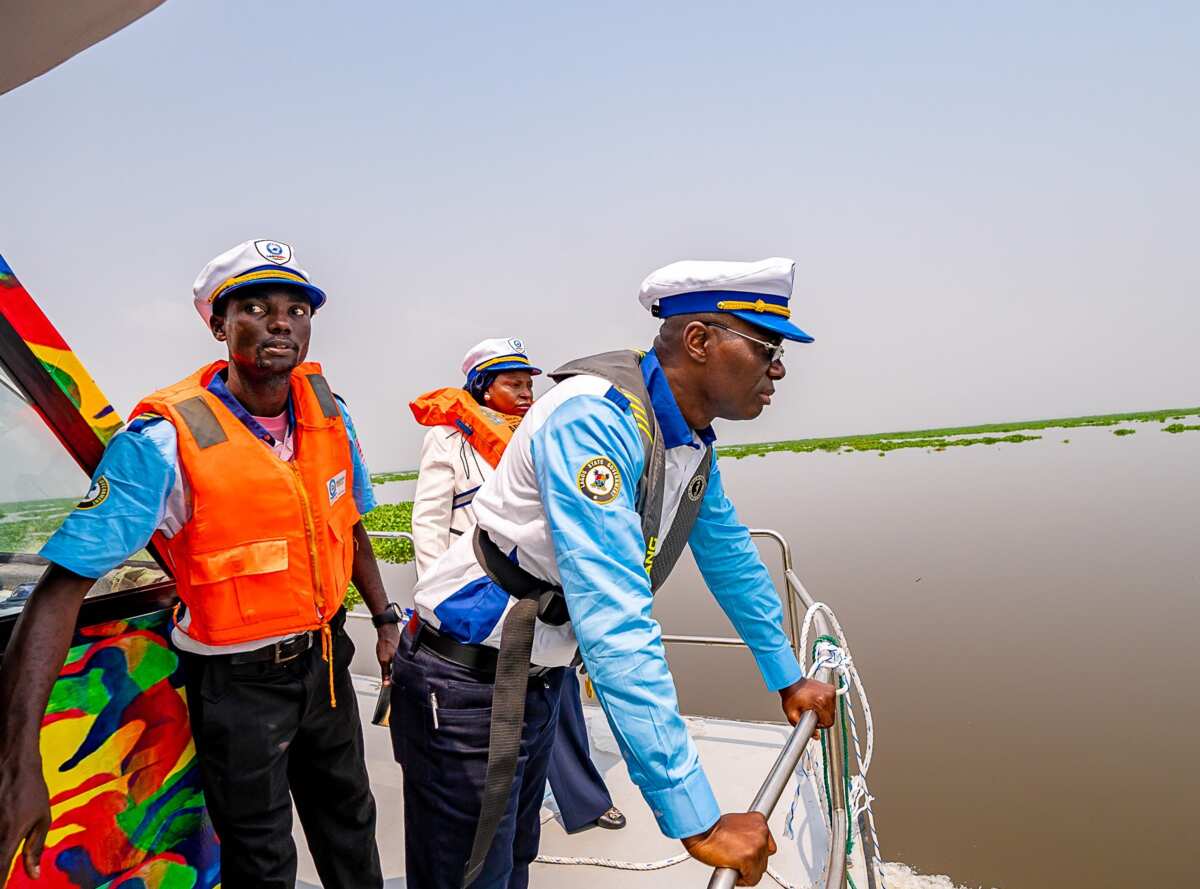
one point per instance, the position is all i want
(365, 501)
(685, 808)
(80, 557)
(779, 668)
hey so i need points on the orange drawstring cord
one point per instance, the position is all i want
(327, 656)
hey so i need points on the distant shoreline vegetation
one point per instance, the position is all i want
(962, 436)
(382, 478)
(26, 524)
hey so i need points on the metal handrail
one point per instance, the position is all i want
(772, 789)
(672, 638)
(785, 552)
(789, 603)
(381, 535)
(391, 535)
(773, 786)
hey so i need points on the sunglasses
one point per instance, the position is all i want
(774, 350)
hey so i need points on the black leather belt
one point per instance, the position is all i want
(285, 649)
(279, 653)
(479, 658)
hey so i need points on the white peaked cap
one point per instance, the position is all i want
(757, 292)
(251, 262)
(497, 355)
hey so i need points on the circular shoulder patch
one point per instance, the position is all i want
(599, 480)
(696, 489)
(96, 494)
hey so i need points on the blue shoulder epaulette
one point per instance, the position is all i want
(617, 397)
(141, 421)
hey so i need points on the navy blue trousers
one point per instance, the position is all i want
(440, 724)
(578, 788)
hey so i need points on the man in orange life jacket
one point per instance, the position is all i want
(249, 478)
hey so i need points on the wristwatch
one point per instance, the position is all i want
(389, 615)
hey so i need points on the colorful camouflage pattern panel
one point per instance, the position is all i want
(55, 355)
(126, 802)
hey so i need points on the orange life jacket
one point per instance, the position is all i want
(269, 548)
(488, 431)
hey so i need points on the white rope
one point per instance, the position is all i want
(615, 864)
(806, 768)
(844, 666)
(661, 864)
(837, 658)
(774, 875)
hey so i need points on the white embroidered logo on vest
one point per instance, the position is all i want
(337, 487)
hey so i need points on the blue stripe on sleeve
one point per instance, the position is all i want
(472, 612)
(135, 480)
(364, 493)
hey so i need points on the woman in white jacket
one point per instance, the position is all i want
(500, 379)
(470, 428)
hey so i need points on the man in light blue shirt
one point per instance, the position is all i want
(606, 479)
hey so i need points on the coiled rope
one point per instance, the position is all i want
(833, 653)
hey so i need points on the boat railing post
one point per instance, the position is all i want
(777, 779)
(390, 535)
(772, 789)
(785, 551)
(835, 743)
(835, 738)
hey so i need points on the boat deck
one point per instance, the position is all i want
(736, 756)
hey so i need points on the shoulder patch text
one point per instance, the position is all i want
(96, 494)
(599, 480)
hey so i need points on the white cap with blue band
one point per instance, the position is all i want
(497, 356)
(757, 292)
(251, 262)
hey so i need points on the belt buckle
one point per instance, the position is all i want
(291, 657)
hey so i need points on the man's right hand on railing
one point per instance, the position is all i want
(739, 840)
(809, 694)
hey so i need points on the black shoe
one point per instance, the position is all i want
(611, 820)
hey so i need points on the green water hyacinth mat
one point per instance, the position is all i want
(387, 517)
(962, 436)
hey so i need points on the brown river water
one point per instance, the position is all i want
(1024, 617)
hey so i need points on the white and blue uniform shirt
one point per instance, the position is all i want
(562, 503)
(145, 492)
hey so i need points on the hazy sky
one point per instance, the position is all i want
(993, 211)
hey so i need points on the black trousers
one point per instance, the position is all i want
(265, 735)
(444, 757)
(578, 786)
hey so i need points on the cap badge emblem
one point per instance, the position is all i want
(274, 251)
